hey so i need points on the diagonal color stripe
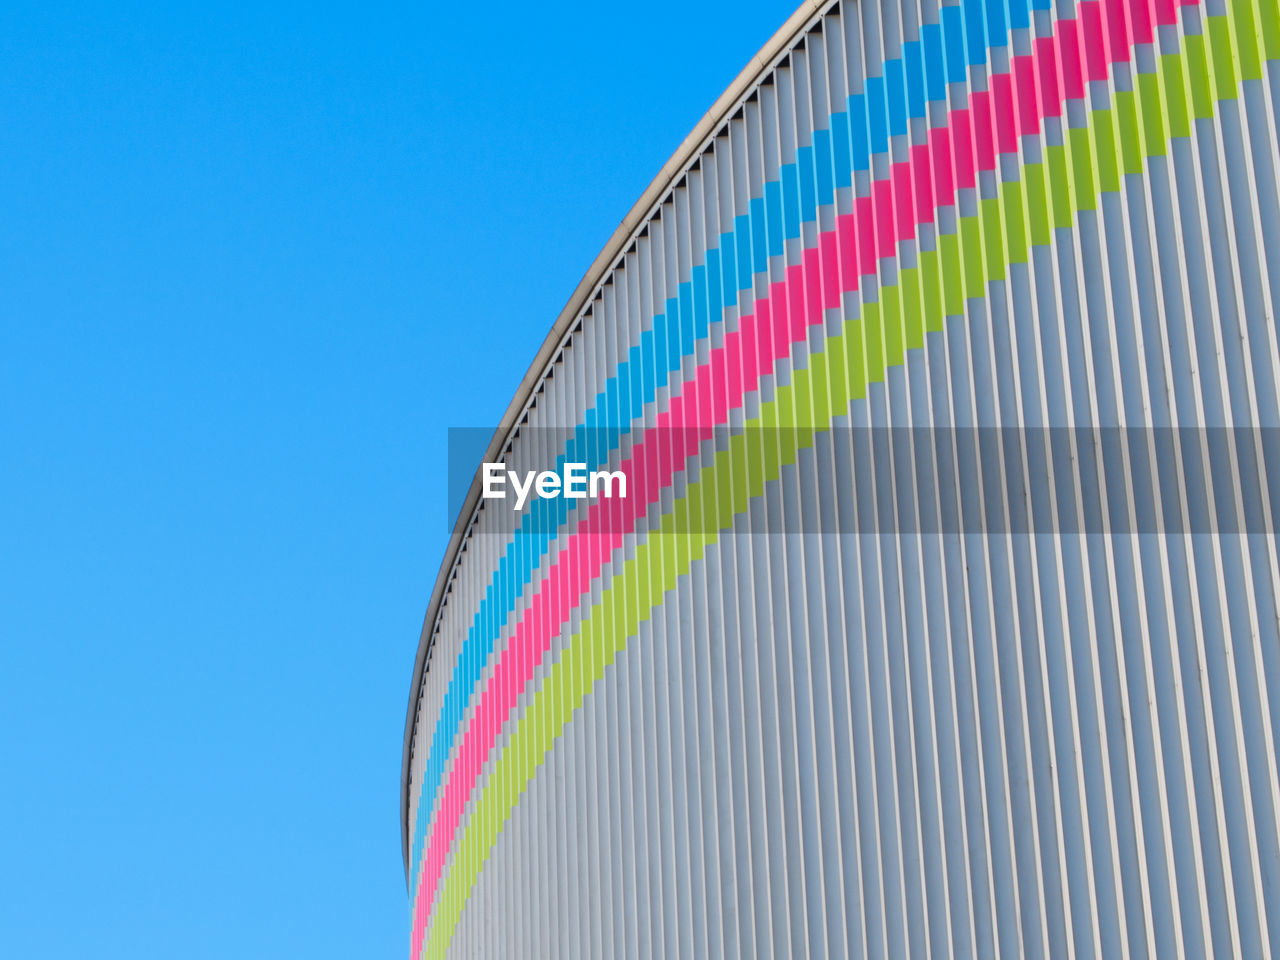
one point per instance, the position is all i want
(892, 349)
(923, 71)
(849, 361)
(969, 155)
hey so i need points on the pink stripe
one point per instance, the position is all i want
(763, 326)
(1117, 30)
(798, 298)
(983, 130)
(812, 287)
(1143, 31)
(866, 235)
(569, 577)
(962, 148)
(1002, 107)
(1072, 60)
(830, 271)
(940, 147)
(778, 310)
(847, 241)
(719, 395)
(720, 375)
(1023, 71)
(1046, 54)
(750, 368)
(1095, 48)
(882, 198)
(734, 373)
(902, 177)
(652, 463)
(761, 329)
(923, 182)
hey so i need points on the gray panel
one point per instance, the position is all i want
(1003, 687)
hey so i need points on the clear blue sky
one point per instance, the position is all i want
(254, 261)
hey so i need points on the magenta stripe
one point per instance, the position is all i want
(780, 319)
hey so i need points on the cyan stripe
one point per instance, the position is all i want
(895, 79)
(942, 55)
(790, 205)
(913, 60)
(772, 222)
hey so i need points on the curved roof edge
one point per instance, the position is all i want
(671, 171)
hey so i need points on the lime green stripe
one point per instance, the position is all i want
(891, 316)
(1224, 62)
(1198, 68)
(1152, 115)
(913, 308)
(1104, 135)
(1246, 38)
(1130, 139)
(932, 290)
(1175, 94)
(1037, 209)
(953, 292)
(1269, 11)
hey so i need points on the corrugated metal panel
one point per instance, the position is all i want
(964, 639)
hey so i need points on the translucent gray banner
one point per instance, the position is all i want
(919, 480)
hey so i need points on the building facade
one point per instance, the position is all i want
(942, 613)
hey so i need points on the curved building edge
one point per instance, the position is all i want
(692, 147)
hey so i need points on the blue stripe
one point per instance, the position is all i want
(953, 33)
(772, 223)
(895, 79)
(975, 33)
(858, 127)
(935, 70)
(808, 187)
(843, 148)
(823, 156)
(913, 58)
(743, 225)
(941, 55)
(877, 115)
(790, 206)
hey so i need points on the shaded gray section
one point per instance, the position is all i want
(956, 743)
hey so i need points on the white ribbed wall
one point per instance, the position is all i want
(825, 742)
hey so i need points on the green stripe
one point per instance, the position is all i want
(953, 291)
(931, 279)
(1130, 138)
(1080, 152)
(1269, 12)
(1175, 95)
(1198, 69)
(1104, 135)
(741, 471)
(1246, 38)
(891, 312)
(1015, 221)
(1037, 209)
(912, 307)
(1224, 63)
(991, 225)
(1152, 114)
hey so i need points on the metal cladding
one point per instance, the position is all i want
(826, 682)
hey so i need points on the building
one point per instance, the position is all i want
(941, 616)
